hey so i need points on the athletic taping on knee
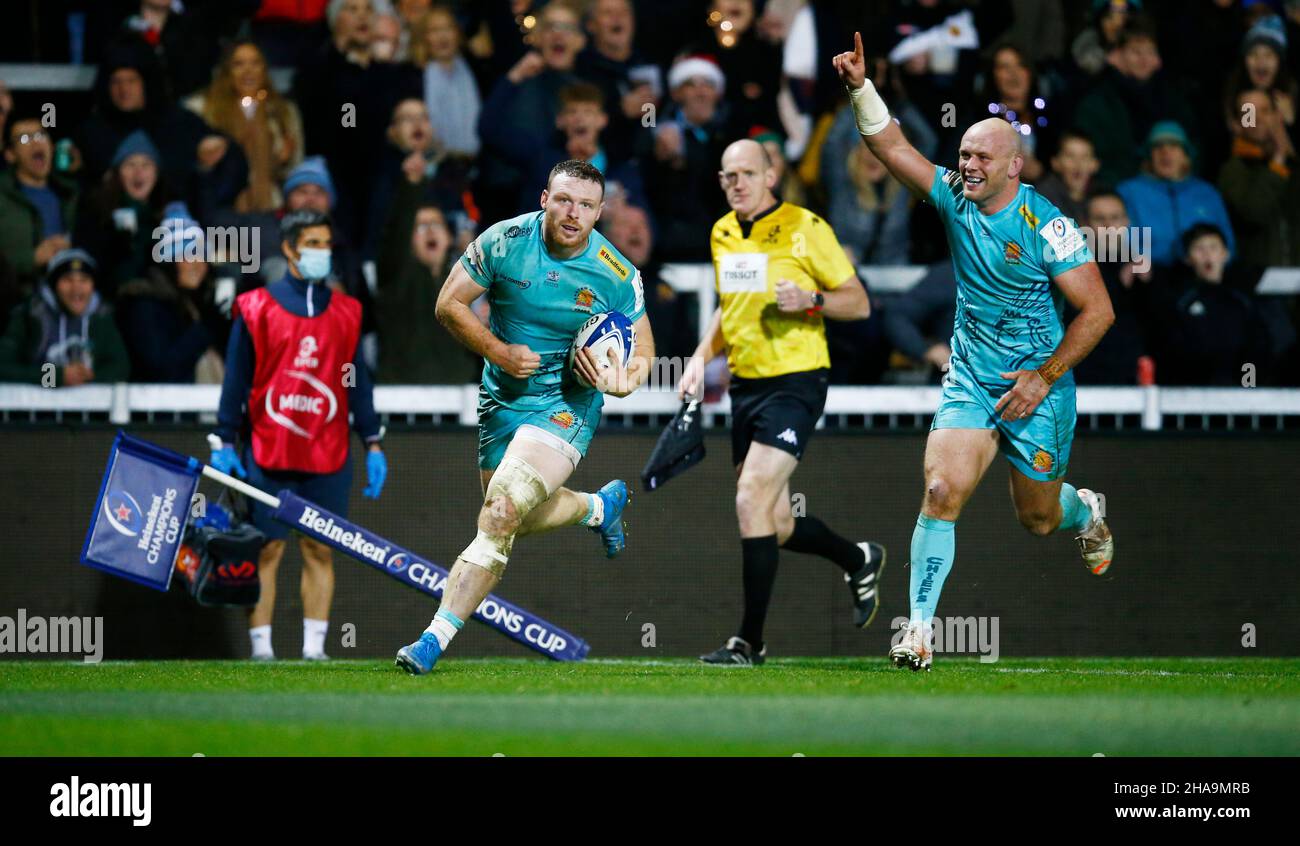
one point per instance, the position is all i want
(520, 483)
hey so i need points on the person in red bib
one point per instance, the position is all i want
(293, 375)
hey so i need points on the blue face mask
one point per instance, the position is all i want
(314, 263)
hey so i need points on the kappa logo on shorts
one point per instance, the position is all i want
(563, 419)
(789, 437)
(1043, 461)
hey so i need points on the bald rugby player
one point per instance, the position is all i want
(1008, 387)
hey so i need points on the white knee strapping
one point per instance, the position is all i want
(489, 553)
(519, 482)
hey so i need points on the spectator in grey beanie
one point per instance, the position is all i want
(63, 335)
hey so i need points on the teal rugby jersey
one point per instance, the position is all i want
(1008, 314)
(542, 301)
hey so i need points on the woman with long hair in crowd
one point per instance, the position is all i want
(242, 103)
(1263, 68)
(1011, 92)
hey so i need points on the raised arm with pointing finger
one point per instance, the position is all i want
(879, 132)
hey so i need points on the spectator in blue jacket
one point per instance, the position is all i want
(1168, 199)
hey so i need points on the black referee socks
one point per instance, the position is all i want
(760, 559)
(814, 537)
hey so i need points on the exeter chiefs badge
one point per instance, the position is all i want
(1043, 461)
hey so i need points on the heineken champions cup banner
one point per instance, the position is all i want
(411, 570)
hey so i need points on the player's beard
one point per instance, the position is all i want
(553, 232)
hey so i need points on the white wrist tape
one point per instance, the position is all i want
(870, 111)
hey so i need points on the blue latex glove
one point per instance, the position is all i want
(376, 473)
(227, 461)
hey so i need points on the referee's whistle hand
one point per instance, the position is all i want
(791, 298)
(692, 382)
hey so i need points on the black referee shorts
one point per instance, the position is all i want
(779, 411)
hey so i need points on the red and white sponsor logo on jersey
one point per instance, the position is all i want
(307, 349)
(314, 397)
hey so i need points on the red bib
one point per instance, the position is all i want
(298, 404)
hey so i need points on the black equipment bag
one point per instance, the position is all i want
(218, 558)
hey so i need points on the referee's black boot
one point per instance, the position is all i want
(736, 652)
(865, 584)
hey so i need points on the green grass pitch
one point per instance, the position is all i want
(1165, 706)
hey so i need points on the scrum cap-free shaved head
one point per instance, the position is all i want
(998, 133)
(746, 147)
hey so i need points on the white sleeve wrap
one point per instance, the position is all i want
(870, 111)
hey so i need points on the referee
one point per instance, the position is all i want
(780, 272)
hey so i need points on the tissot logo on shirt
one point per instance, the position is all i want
(740, 273)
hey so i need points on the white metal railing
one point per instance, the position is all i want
(1151, 408)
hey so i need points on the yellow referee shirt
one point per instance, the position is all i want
(788, 242)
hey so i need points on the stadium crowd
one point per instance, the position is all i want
(1169, 126)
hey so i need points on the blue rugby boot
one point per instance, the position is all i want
(615, 496)
(419, 658)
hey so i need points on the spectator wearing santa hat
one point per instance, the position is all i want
(681, 174)
(750, 62)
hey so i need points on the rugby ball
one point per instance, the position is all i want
(601, 333)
